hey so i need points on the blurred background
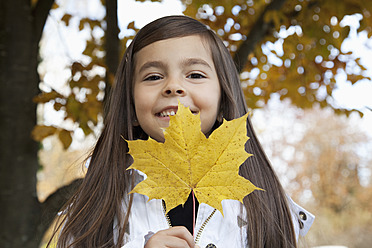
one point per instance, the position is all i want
(305, 68)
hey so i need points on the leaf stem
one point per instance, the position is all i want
(193, 213)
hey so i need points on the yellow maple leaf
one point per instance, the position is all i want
(188, 161)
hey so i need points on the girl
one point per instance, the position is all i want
(175, 58)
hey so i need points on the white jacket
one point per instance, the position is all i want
(148, 217)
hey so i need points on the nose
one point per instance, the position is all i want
(173, 88)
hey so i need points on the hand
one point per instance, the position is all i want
(174, 237)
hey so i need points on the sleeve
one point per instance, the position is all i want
(301, 218)
(135, 243)
(139, 241)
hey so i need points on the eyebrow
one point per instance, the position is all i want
(195, 61)
(152, 64)
(186, 62)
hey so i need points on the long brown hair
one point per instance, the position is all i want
(89, 215)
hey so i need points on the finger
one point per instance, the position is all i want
(165, 241)
(182, 233)
(175, 237)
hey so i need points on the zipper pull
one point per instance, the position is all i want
(211, 246)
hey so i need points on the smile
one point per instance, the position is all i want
(171, 112)
(167, 113)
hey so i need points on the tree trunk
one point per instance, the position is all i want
(22, 217)
(18, 160)
(112, 44)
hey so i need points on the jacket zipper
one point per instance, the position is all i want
(166, 215)
(197, 237)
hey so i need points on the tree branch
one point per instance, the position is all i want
(112, 44)
(256, 34)
(40, 14)
(55, 202)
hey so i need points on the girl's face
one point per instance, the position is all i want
(170, 70)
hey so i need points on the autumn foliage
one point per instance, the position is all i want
(292, 48)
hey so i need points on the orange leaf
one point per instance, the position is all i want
(65, 137)
(41, 131)
(46, 97)
(66, 19)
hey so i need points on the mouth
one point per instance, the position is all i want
(167, 113)
(171, 111)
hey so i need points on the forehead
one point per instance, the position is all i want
(173, 48)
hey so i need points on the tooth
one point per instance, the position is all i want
(167, 113)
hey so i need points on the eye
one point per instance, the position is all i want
(196, 76)
(153, 78)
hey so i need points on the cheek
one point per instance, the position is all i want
(139, 98)
(209, 116)
(140, 110)
(207, 122)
